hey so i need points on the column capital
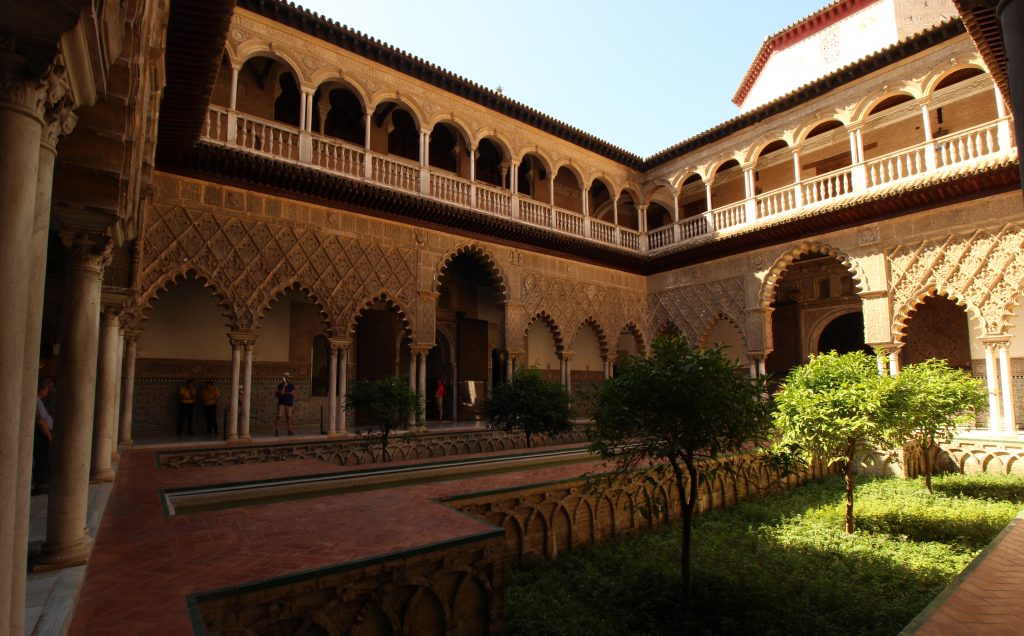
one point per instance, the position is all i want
(339, 343)
(995, 340)
(422, 347)
(24, 93)
(565, 355)
(58, 122)
(89, 250)
(241, 337)
(132, 335)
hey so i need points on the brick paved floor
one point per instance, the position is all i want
(144, 563)
(989, 598)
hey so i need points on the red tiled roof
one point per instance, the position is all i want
(790, 35)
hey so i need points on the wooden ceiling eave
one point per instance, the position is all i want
(241, 169)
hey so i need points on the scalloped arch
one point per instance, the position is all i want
(717, 318)
(602, 338)
(187, 271)
(781, 265)
(546, 318)
(294, 285)
(902, 316)
(481, 255)
(369, 301)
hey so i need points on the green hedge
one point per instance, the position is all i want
(779, 565)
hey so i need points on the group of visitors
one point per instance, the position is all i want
(210, 395)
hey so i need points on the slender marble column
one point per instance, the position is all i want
(59, 120)
(508, 368)
(991, 380)
(1006, 384)
(236, 388)
(118, 371)
(422, 384)
(243, 433)
(67, 543)
(332, 389)
(412, 382)
(131, 342)
(128, 386)
(21, 124)
(343, 411)
(105, 401)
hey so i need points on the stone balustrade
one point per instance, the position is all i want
(943, 155)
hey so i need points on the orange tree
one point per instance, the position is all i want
(683, 406)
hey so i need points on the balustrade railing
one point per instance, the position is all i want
(730, 215)
(630, 238)
(965, 145)
(569, 222)
(601, 231)
(493, 200)
(776, 202)
(266, 137)
(338, 156)
(448, 188)
(215, 128)
(396, 174)
(827, 186)
(660, 237)
(693, 227)
(534, 212)
(251, 133)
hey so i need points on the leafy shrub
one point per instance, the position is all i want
(778, 565)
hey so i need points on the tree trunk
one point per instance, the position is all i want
(687, 503)
(848, 474)
(927, 452)
(527, 439)
(384, 445)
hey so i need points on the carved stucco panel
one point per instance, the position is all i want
(694, 308)
(570, 303)
(249, 263)
(981, 270)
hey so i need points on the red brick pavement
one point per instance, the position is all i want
(989, 599)
(145, 563)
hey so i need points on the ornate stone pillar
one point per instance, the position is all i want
(343, 346)
(1006, 388)
(243, 424)
(421, 385)
(105, 408)
(118, 370)
(991, 381)
(21, 125)
(237, 345)
(131, 343)
(58, 120)
(67, 543)
(332, 387)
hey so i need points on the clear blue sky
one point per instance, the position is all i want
(641, 74)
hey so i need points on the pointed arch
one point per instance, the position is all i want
(771, 281)
(546, 318)
(483, 257)
(602, 339)
(187, 271)
(721, 316)
(902, 315)
(295, 285)
(368, 303)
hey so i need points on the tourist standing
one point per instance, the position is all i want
(208, 398)
(43, 440)
(439, 395)
(186, 406)
(285, 402)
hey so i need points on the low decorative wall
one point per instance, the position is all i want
(357, 451)
(546, 520)
(454, 588)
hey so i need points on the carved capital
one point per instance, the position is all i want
(58, 122)
(19, 86)
(131, 335)
(88, 250)
(241, 337)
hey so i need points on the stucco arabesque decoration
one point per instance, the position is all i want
(695, 308)
(250, 263)
(981, 271)
(569, 304)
